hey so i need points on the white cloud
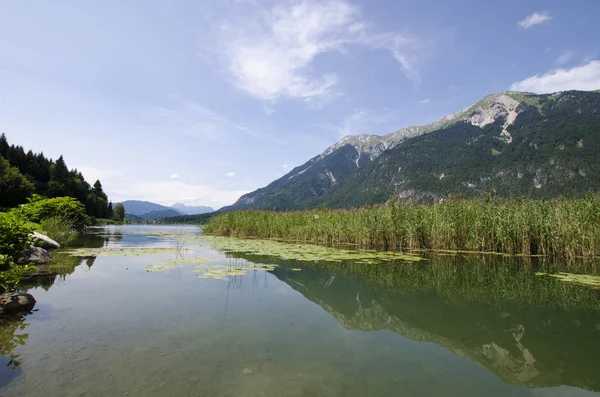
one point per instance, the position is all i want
(269, 110)
(424, 101)
(174, 176)
(534, 19)
(565, 57)
(230, 174)
(362, 121)
(190, 118)
(92, 174)
(271, 56)
(584, 77)
(170, 192)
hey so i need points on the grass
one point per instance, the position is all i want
(59, 229)
(559, 228)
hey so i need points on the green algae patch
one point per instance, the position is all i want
(168, 265)
(95, 252)
(303, 252)
(223, 272)
(581, 279)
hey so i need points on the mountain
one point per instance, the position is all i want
(137, 207)
(511, 143)
(158, 214)
(191, 210)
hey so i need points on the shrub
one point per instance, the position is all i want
(59, 229)
(67, 208)
(12, 276)
(14, 238)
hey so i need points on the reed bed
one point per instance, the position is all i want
(559, 228)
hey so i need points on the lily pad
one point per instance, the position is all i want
(302, 252)
(581, 279)
(120, 251)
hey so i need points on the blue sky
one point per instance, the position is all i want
(202, 101)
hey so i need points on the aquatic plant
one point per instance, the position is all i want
(560, 228)
(582, 279)
(107, 251)
(302, 251)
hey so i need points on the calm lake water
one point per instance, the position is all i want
(141, 325)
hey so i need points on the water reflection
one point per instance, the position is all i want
(137, 328)
(12, 335)
(529, 331)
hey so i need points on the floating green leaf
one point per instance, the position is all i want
(120, 251)
(582, 279)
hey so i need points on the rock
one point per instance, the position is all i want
(14, 302)
(35, 255)
(45, 241)
(247, 371)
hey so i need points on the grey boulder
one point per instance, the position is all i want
(15, 302)
(35, 255)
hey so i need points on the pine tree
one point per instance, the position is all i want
(4, 147)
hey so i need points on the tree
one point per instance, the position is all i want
(4, 147)
(99, 201)
(110, 211)
(119, 212)
(14, 187)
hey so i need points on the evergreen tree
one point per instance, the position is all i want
(119, 212)
(4, 147)
(49, 178)
(100, 201)
(14, 187)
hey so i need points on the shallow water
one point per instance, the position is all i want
(447, 325)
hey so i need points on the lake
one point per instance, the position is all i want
(164, 311)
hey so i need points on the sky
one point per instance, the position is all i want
(202, 101)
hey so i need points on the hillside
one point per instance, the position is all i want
(191, 209)
(25, 173)
(506, 144)
(138, 207)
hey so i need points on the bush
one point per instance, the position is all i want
(67, 208)
(14, 238)
(59, 229)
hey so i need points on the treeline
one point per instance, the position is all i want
(557, 228)
(193, 219)
(24, 174)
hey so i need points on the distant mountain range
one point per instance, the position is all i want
(512, 143)
(191, 210)
(146, 211)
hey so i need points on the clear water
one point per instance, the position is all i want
(452, 325)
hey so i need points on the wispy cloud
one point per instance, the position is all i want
(174, 176)
(271, 55)
(424, 101)
(190, 118)
(537, 18)
(230, 174)
(565, 57)
(269, 110)
(583, 77)
(363, 121)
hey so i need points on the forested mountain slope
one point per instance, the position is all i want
(553, 149)
(511, 143)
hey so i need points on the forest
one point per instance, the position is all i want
(25, 176)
